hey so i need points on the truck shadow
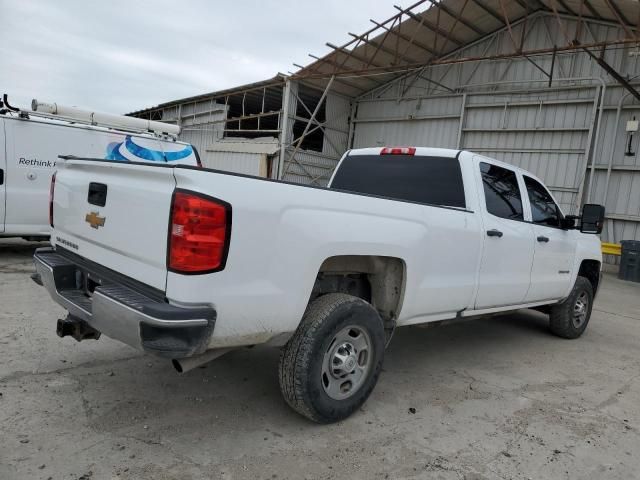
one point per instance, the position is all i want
(239, 391)
(19, 248)
(16, 256)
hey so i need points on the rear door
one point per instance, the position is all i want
(31, 161)
(444, 279)
(554, 247)
(3, 174)
(507, 254)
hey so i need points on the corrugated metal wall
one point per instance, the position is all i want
(238, 162)
(616, 179)
(505, 109)
(197, 120)
(432, 121)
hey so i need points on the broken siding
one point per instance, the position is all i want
(314, 168)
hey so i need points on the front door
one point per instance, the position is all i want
(507, 254)
(554, 247)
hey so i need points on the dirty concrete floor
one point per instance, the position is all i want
(496, 398)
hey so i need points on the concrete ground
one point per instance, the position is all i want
(496, 398)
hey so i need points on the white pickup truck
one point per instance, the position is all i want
(188, 263)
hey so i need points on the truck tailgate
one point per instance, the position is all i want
(116, 215)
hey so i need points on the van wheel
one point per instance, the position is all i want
(569, 319)
(331, 364)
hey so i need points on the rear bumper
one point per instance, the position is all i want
(123, 312)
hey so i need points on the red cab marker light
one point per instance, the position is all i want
(398, 151)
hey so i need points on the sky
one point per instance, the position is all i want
(119, 56)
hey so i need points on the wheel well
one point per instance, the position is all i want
(590, 269)
(376, 279)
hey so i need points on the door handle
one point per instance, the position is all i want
(1, 176)
(543, 239)
(494, 233)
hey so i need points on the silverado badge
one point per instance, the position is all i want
(95, 220)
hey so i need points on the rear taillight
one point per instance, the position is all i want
(199, 233)
(52, 188)
(398, 151)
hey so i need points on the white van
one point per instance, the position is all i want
(30, 143)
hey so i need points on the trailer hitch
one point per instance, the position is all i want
(76, 328)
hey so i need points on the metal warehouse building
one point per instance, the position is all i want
(548, 85)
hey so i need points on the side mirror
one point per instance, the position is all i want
(592, 219)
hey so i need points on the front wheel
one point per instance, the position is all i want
(330, 366)
(569, 319)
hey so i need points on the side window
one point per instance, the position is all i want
(501, 192)
(544, 210)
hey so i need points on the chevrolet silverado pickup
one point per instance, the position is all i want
(189, 263)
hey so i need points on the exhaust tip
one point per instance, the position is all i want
(183, 365)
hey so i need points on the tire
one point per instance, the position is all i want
(570, 318)
(315, 371)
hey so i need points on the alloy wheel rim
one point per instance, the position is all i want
(346, 362)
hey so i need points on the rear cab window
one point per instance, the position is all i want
(430, 180)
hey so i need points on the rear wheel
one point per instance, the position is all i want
(332, 363)
(570, 318)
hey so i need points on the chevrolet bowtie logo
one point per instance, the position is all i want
(95, 220)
